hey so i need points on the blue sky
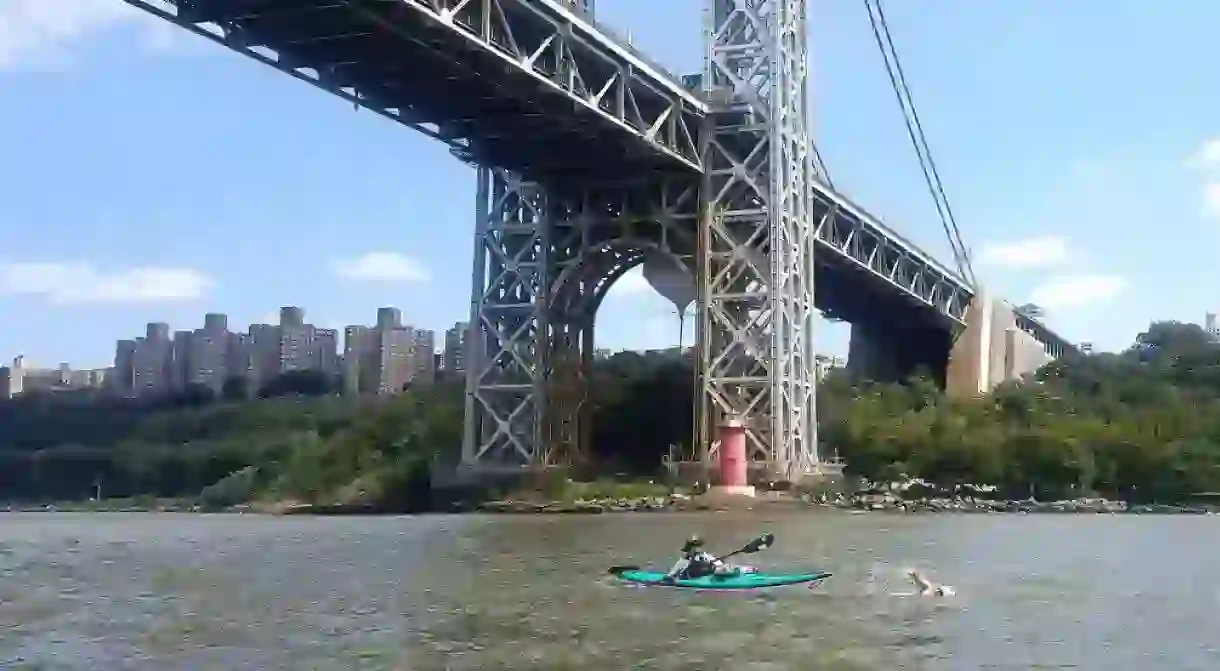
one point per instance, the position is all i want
(147, 174)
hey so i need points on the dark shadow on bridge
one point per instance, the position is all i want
(892, 340)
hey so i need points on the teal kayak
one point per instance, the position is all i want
(740, 581)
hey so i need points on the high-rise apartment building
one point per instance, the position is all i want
(357, 344)
(123, 380)
(455, 348)
(423, 360)
(393, 347)
(243, 363)
(210, 353)
(153, 360)
(262, 346)
(12, 378)
(296, 341)
(180, 373)
(325, 354)
(388, 357)
(291, 315)
(389, 318)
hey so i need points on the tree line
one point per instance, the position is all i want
(1141, 425)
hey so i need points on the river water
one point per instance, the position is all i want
(192, 593)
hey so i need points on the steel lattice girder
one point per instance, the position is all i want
(506, 400)
(603, 232)
(189, 15)
(756, 263)
(1054, 344)
(529, 67)
(544, 261)
(845, 231)
(562, 50)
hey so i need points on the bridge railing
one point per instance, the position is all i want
(617, 40)
(1054, 344)
(869, 220)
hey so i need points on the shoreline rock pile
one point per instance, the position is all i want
(896, 504)
(884, 503)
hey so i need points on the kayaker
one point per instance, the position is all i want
(695, 563)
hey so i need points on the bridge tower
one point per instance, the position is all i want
(546, 254)
(756, 270)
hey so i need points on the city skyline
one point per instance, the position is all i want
(631, 292)
(272, 318)
(382, 358)
(267, 319)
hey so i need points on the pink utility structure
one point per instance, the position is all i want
(734, 474)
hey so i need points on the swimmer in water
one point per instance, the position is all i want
(927, 587)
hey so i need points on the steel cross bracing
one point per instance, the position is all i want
(332, 45)
(847, 233)
(544, 260)
(507, 83)
(757, 242)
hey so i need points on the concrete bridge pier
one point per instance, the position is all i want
(991, 350)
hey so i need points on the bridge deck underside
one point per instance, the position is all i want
(872, 267)
(509, 85)
(500, 81)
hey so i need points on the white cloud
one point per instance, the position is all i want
(1077, 290)
(83, 283)
(1211, 199)
(381, 267)
(1208, 154)
(1028, 253)
(35, 29)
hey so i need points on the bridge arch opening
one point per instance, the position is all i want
(623, 395)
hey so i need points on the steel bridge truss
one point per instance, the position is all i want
(757, 239)
(518, 59)
(849, 236)
(544, 261)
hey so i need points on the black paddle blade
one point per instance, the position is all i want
(761, 543)
(616, 570)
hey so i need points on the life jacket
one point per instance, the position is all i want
(701, 564)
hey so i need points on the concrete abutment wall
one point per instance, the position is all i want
(991, 350)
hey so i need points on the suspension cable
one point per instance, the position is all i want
(819, 166)
(918, 139)
(957, 234)
(914, 127)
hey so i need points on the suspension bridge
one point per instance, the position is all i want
(592, 159)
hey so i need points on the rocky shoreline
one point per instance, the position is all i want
(885, 503)
(678, 503)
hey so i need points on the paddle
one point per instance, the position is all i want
(761, 543)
